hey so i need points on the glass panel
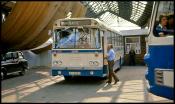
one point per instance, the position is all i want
(15, 55)
(2, 57)
(117, 40)
(132, 40)
(113, 39)
(120, 40)
(8, 55)
(109, 38)
(80, 38)
(138, 9)
(20, 55)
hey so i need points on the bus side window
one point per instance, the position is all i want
(115, 39)
(161, 27)
(109, 37)
(112, 38)
(165, 25)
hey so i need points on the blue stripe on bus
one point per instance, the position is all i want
(75, 51)
(98, 73)
(159, 57)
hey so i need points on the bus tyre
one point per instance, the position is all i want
(104, 78)
(22, 71)
(67, 78)
(2, 75)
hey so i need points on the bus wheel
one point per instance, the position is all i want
(104, 78)
(67, 78)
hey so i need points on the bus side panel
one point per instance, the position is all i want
(159, 57)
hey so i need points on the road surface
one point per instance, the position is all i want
(38, 86)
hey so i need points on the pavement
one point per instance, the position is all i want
(39, 87)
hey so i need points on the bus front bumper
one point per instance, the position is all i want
(84, 72)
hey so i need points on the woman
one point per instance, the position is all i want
(162, 27)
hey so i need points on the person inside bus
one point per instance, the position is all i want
(111, 57)
(161, 28)
(80, 38)
(132, 57)
(72, 37)
(67, 39)
(63, 37)
(83, 38)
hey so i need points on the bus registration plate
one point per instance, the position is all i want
(74, 73)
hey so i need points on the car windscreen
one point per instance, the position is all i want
(11, 55)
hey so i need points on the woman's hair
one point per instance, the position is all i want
(161, 16)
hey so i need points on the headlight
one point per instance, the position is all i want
(57, 62)
(54, 62)
(96, 63)
(93, 63)
(91, 72)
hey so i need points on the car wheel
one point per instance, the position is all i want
(22, 72)
(2, 75)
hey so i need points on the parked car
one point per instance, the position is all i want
(13, 62)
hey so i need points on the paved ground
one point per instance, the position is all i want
(38, 86)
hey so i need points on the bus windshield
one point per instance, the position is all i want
(77, 38)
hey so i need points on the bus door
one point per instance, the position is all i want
(105, 43)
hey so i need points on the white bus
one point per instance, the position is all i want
(79, 46)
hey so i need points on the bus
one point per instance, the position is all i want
(80, 46)
(159, 57)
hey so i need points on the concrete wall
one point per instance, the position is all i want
(45, 58)
(36, 60)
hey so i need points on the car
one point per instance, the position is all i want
(13, 62)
